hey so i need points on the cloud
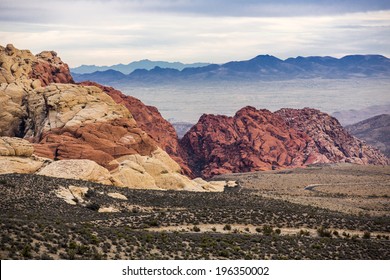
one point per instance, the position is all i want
(119, 31)
(49, 10)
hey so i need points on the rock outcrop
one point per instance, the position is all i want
(86, 133)
(85, 169)
(36, 70)
(254, 140)
(149, 120)
(330, 142)
(16, 156)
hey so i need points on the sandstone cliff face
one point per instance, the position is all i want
(255, 140)
(88, 134)
(149, 120)
(83, 123)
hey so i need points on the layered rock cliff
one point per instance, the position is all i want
(255, 140)
(81, 128)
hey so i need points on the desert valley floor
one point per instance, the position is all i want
(338, 211)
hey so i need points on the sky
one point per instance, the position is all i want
(216, 31)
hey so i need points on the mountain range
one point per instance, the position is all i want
(128, 68)
(262, 67)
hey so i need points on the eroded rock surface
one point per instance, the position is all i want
(254, 140)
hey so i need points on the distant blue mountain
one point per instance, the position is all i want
(262, 67)
(128, 68)
(103, 77)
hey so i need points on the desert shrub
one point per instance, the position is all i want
(267, 230)
(224, 253)
(153, 223)
(227, 227)
(90, 193)
(366, 235)
(196, 229)
(304, 232)
(26, 252)
(322, 232)
(278, 231)
(93, 206)
(354, 237)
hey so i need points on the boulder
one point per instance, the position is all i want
(83, 169)
(14, 164)
(12, 146)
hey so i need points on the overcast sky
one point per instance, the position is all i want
(120, 31)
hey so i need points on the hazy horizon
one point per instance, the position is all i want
(188, 101)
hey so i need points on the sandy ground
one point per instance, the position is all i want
(348, 188)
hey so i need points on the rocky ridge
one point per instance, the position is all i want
(254, 140)
(81, 128)
(375, 131)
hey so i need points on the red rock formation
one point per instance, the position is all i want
(330, 139)
(150, 120)
(49, 68)
(255, 140)
(101, 142)
(251, 140)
